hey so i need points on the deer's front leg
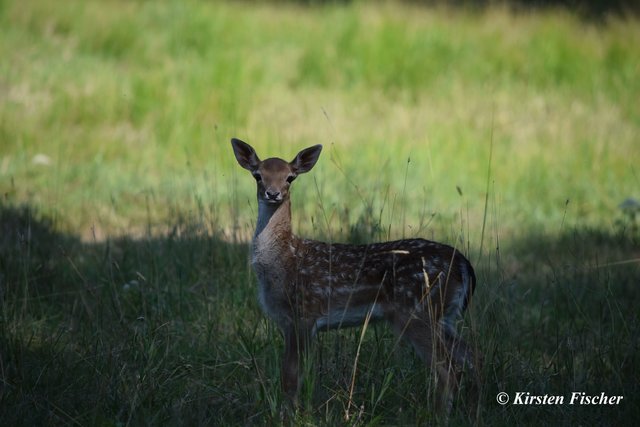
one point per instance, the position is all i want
(296, 342)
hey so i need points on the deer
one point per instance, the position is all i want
(420, 287)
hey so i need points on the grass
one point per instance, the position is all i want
(126, 295)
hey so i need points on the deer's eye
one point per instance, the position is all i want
(290, 178)
(257, 176)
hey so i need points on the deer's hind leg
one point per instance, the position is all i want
(437, 349)
(464, 361)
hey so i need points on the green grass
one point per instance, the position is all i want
(126, 294)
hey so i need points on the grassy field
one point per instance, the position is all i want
(126, 296)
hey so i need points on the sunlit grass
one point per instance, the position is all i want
(143, 98)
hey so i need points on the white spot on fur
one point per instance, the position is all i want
(398, 252)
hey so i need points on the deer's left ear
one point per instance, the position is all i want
(306, 159)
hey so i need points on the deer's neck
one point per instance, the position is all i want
(274, 219)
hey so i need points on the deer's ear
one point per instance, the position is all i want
(306, 159)
(245, 154)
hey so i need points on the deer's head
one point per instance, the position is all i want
(274, 176)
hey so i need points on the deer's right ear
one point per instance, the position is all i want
(245, 154)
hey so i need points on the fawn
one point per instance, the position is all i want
(420, 287)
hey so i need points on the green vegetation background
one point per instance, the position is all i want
(125, 288)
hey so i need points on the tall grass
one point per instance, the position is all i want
(126, 295)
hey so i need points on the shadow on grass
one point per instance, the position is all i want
(564, 319)
(166, 330)
(121, 330)
(590, 9)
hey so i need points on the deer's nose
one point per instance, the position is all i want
(272, 195)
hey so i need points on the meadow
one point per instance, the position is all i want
(126, 294)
